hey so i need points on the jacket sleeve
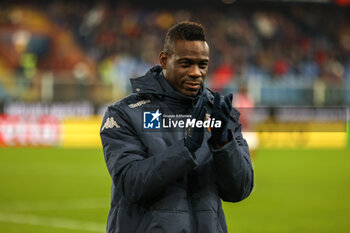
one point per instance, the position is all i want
(235, 176)
(137, 175)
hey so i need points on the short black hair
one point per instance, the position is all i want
(185, 30)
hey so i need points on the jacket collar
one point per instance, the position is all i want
(148, 83)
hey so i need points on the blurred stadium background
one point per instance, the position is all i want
(63, 62)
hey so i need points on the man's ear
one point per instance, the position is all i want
(163, 59)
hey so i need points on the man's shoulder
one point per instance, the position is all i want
(133, 101)
(128, 107)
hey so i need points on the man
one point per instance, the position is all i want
(171, 180)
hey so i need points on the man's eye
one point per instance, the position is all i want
(203, 65)
(185, 63)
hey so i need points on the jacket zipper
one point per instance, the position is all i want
(193, 228)
(189, 201)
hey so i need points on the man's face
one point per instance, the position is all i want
(187, 66)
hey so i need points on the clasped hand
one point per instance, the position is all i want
(220, 112)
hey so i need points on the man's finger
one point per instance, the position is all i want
(226, 109)
(197, 108)
(217, 100)
(204, 97)
(202, 114)
(202, 101)
(228, 100)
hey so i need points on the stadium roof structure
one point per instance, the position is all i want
(193, 2)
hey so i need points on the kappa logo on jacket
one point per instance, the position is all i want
(110, 123)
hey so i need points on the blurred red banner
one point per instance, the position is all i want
(343, 2)
(18, 130)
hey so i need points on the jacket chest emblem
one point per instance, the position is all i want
(207, 118)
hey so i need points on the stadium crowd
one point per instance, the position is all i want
(265, 42)
(294, 40)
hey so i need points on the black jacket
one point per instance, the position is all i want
(158, 185)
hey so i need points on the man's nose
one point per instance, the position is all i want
(194, 72)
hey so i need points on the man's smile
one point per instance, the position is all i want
(192, 85)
